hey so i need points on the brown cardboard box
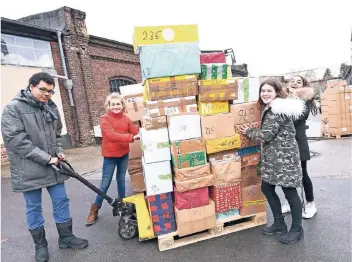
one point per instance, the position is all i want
(135, 164)
(150, 123)
(185, 174)
(336, 83)
(217, 126)
(172, 87)
(245, 141)
(135, 110)
(137, 181)
(348, 89)
(135, 150)
(249, 176)
(224, 155)
(226, 172)
(188, 153)
(172, 106)
(250, 160)
(218, 90)
(191, 184)
(194, 220)
(253, 200)
(245, 113)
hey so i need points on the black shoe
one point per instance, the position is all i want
(41, 245)
(67, 239)
(279, 227)
(292, 236)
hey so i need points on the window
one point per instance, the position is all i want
(24, 51)
(115, 83)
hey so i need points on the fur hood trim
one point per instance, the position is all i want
(305, 93)
(289, 107)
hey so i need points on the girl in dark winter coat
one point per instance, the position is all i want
(280, 160)
(299, 88)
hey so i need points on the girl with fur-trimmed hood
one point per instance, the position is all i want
(280, 159)
(298, 87)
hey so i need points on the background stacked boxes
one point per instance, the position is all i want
(177, 78)
(336, 104)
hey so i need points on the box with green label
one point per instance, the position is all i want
(188, 153)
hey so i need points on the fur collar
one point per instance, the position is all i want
(290, 107)
(305, 93)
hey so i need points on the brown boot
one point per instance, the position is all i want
(93, 214)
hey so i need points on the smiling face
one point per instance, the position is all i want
(296, 82)
(267, 94)
(42, 92)
(116, 106)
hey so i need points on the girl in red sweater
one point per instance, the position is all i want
(117, 132)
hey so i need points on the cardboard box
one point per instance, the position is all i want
(339, 130)
(185, 174)
(174, 106)
(245, 141)
(213, 71)
(250, 177)
(224, 155)
(217, 90)
(183, 127)
(248, 150)
(213, 108)
(336, 83)
(223, 144)
(162, 213)
(158, 178)
(226, 172)
(348, 89)
(194, 220)
(215, 57)
(250, 159)
(137, 181)
(217, 126)
(191, 199)
(135, 150)
(248, 90)
(131, 91)
(150, 123)
(169, 34)
(188, 153)
(155, 145)
(226, 197)
(135, 164)
(227, 214)
(253, 200)
(135, 110)
(191, 184)
(245, 113)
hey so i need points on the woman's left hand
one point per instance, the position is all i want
(243, 129)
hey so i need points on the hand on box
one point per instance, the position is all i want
(244, 128)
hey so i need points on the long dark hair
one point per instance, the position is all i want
(313, 108)
(277, 87)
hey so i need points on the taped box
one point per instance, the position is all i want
(132, 93)
(226, 171)
(253, 200)
(173, 106)
(158, 178)
(188, 153)
(252, 159)
(245, 113)
(213, 108)
(223, 144)
(214, 57)
(191, 184)
(183, 127)
(217, 90)
(135, 164)
(137, 181)
(188, 173)
(155, 145)
(195, 220)
(150, 123)
(217, 126)
(162, 213)
(250, 176)
(226, 197)
(135, 110)
(171, 87)
(245, 141)
(135, 150)
(191, 199)
(213, 71)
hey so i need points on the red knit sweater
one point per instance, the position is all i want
(117, 132)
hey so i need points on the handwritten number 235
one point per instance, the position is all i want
(152, 35)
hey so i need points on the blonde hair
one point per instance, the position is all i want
(112, 96)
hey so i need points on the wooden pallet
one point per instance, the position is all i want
(224, 227)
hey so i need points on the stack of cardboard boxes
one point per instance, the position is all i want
(336, 105)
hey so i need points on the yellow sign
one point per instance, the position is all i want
(157, 35)
(223, 144)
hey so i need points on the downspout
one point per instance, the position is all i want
(69, 86)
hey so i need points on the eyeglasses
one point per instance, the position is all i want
(44, 90)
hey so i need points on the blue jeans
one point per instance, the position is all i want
(108, 171)
(59, 200)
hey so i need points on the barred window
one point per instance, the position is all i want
(115, 83)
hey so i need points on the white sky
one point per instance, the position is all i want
(272, 37)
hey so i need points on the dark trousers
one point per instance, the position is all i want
(307, 183)
(275, 204)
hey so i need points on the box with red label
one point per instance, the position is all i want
(226, 197)
(191, 199)
(162, 213)
(215, 57)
